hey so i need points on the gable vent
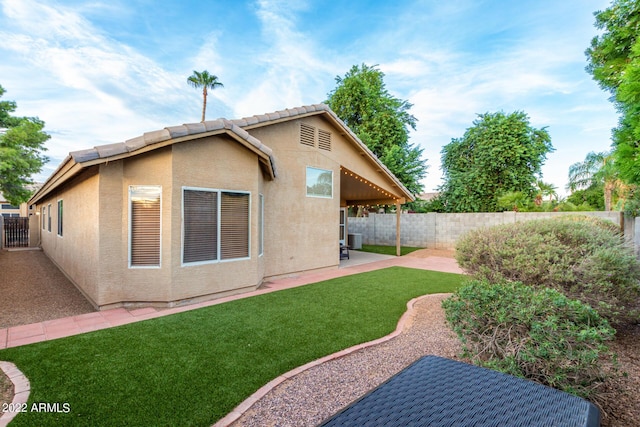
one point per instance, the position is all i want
(307, 135)
(324, 139)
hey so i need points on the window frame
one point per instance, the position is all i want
(130, 231)
(60, 212)
(319, 196)
(218, 210)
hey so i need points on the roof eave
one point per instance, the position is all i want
(406, 194)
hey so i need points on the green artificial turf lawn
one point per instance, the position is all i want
(193, 368)
(388, 250)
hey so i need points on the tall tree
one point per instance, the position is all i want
(597, 169)
(205, 81)
(545, 189)
(614, 62)
(381, 121)
(21, 145)
(499, 154)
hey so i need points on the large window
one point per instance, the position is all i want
(215, 225)
(60, 218)
(144, 225)
(319, 182)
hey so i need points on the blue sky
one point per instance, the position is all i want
(99, 72)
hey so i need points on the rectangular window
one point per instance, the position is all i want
(59, 217)
(49, 217)
(200, 226)
(144, 225)
(261, 225)
(43, 218)
(319, 182)
(234, 225)
(215, 225)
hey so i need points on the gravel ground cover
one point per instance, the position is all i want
(6, 390)
(315, 394)
(33, 290)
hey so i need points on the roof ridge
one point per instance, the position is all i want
(281, 114)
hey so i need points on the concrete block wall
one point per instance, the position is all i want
(442, 230)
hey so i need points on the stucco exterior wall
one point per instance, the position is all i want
(300, 231)
(77, 250)
(118, 282)
(214, 163)
(217, 163)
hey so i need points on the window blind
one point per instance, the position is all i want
(234, 225)
(145, 226)
(200, 226)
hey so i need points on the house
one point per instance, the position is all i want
(7, 210)
(205, 210)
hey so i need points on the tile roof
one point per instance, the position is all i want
(235, 128)
(166, 134)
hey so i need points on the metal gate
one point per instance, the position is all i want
(16, 232)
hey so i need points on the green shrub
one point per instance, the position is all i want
(538, 334)
(583, 257)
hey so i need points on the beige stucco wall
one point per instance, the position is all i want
(117, 282)
(77, 251)
(216, 163)
(301, 233)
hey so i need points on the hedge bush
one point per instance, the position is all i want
(538, 334)
(584, 258)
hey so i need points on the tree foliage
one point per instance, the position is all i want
(597, 170)
(614, 62)
(381, 121)
(591, 196)
(21, 145)
(500, 153)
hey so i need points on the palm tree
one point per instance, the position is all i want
(597, 168)
(546, 189)
(205, 81)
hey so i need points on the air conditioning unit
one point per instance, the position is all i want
(355, 241)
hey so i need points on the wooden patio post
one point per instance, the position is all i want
(397, 228)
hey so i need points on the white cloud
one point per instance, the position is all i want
(291, 69)
(97, 81)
